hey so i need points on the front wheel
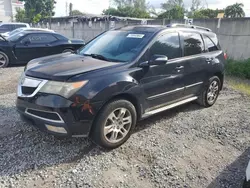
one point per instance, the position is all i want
(4, 60)
(114, 124)
(211, 92)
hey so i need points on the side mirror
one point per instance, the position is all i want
(158, 60)
(26, 43)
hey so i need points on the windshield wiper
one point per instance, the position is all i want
(97, 56)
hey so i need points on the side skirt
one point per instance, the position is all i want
(156, 111)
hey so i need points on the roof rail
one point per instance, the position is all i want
(188, 26)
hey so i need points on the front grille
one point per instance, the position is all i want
(44, 114)
(28, 90)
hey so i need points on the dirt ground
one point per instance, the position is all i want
(188, 146)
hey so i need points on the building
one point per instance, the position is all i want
(8, 9)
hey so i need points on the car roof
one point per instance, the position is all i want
(13, 23)
(159, 28)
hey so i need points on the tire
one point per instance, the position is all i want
(4, 60)
(68, 50)
(206, 99)
(112, 111)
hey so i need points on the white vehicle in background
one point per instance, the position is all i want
(7, 34)
(8, 27)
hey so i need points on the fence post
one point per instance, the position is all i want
(164, 21)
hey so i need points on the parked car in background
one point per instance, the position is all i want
(27, 45)
(246, 183)
(120, 77)
(7, 34)
(7, 27)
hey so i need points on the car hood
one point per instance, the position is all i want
(61, 67)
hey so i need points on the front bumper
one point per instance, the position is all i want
(55, 115)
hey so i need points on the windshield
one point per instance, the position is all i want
(118, 46)
(15, 31)
(15, 37)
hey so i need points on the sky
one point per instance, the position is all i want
(97, 6)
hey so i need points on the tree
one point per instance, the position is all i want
(20, 15)
(76, 13)
(235, 11)
(37, 10)
(170, 4)
(206, 13)
(195, 5)
(177, 12)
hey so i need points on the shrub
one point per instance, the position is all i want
(239, 68)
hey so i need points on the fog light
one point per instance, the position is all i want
(56, 129)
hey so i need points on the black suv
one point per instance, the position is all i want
(120, 77)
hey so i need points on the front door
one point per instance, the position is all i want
(164, 84)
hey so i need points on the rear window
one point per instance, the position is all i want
(210, 44)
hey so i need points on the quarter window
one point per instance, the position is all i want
(210, 44)
(39, 38)
(168, 45)
(193, 44)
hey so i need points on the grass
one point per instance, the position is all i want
(238, 68)
(240, 86)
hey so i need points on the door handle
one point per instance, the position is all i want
(179, 67)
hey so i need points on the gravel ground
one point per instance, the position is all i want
(187, 147)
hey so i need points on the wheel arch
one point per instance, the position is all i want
(220, 75)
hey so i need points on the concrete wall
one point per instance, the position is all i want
(234, 34)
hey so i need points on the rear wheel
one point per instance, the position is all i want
(4, 60)
(114, 124)
(211, 92)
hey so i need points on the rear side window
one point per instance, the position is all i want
(168, 45)
(210, 44)
(20, 25)
(6, 27)
(193, 44)
(39, 38)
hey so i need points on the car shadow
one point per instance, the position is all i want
(234, 174)
(25, 148)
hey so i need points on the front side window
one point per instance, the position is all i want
(39, 38)
(118, 45)
(193, 44)
(168, 45)
(210, 45)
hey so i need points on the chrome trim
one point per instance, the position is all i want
(30, 82)
(192, 85)
(38, 117)
(166, 93)
(170, 106)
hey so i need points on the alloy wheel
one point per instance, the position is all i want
(117, 125)
(3, 60)
(213, 92)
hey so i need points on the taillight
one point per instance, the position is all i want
(225, 56)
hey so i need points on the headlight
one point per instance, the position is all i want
(65, 89)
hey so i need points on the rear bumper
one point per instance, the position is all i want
(53, 114)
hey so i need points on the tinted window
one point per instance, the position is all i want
(6, 27)
(193, 44)
(210, 45)
(168, 45)
(39, 38)
(20, 26)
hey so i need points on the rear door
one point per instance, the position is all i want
(35, 45)
(196, 64)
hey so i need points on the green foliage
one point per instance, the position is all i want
(238, 68)
(170, 4)
(176, 12)
(127, 11)
(20, 15)
(76, 13)
(206, 13)
(235, 11)
(37, 10)
(129, 8)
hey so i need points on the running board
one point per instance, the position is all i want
(169, 107)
